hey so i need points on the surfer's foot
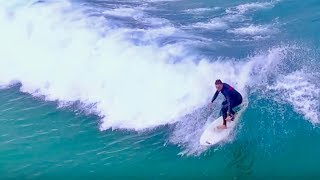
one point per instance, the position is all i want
(222, 127)
(230, 117)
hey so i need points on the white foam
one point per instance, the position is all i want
(253, 30)
(58, 52)
(219, 23)
(243, 8)
(213, 24)
(150, 34)
(200, 10)
(138, 14)
(155, 21)
(297, 89)
(16, 3)
(124, 12)
(65, 56)
(231, 18)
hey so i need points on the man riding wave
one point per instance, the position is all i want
(232, 99)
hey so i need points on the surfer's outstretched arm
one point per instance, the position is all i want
(215, 96)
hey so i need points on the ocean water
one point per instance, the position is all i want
(119, 89)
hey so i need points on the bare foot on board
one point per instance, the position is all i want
(222, 127)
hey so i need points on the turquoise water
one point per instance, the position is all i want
(118, 89)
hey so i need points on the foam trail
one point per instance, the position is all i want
(297, 89)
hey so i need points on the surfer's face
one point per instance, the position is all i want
(219, 87)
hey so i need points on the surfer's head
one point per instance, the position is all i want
(218, 84)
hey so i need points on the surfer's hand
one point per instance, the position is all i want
(210, 105)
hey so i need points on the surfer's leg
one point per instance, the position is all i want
(224, 116)
(232, 111)
(224, 121)
(224, 110)
(233, 105)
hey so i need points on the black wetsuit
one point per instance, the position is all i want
(233, 99)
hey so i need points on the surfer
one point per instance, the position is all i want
(232, 99)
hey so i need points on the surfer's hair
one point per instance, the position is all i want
(218, 81)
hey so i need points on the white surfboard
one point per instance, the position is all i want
(212, 135)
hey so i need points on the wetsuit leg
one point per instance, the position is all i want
(234, 104)
(224, 110)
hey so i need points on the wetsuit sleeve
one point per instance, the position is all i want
(215, 96)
